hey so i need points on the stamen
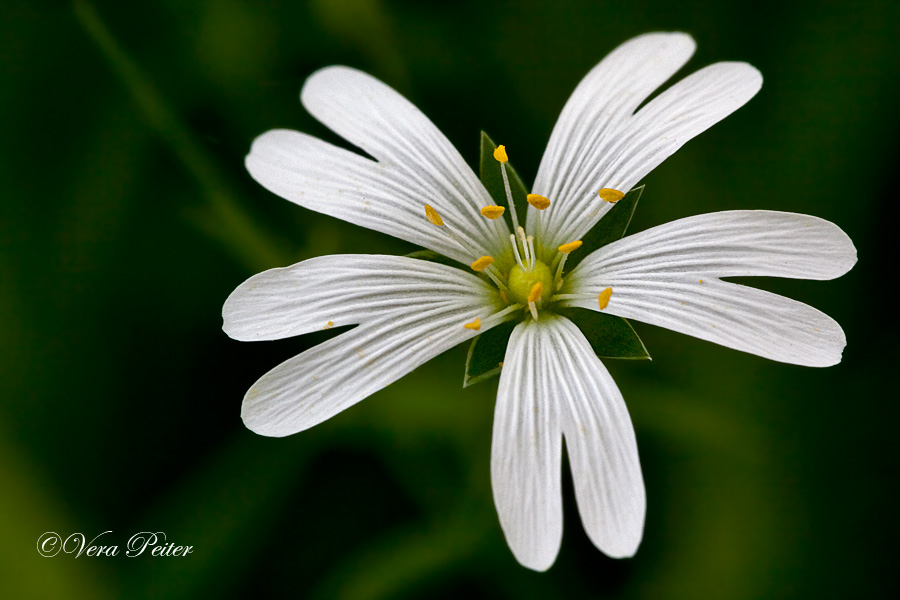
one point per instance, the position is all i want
(494, 275)
(493, 212)
(501, 316)
(530, 239)
(512, 238)
(509, 198)
(603, 298)
(610, 195)
(528, 258)
(482, 263)
(570, 247)
(475, 325)
(532, 308)
(538, 201)
(433, 217)
(500, 154)
(536, 291)
(564, 252)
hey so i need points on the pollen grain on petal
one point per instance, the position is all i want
(610, 195)
(500, 154)
(570, 247)
(474, 325)
(538, 201)
(432, 215)
(536, 291)
(493, 211)
(603, 298)
(482, 263)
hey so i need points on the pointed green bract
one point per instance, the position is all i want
(610, 336)
(609, 228)
(432, 256)
(486, 353)
(492, 180)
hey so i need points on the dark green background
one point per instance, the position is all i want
(127, 218)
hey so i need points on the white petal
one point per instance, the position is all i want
(333, 376)
(408, 310)
(526, 451)
(605, 98)
(600, 442)
(729, 244)
(729, 314)
(337, 290)
(669, 276)
(416, 165)
(610, 147)
(552, 384)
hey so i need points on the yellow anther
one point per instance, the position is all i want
(500, 154)
(329, 325)
(570, 247)
(482, 263)
(536, 291)
(433, 217)
(538, 201)
(603, 298)
(492, 212)
(474, 325)
(610, 195)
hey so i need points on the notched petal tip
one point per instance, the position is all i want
(230, 310)
(539, 563)
(750, 76)
(240, 310)
(847, 255)
(683, 39)
(831, 351)
(329, 80)
(257, 419)
(627, 549)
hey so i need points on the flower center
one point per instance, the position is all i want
(522, 281)
(531, 283)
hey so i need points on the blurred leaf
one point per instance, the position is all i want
(492, 180)
(31, 507)
(610, 336)
(486, 354)
(609, 228)
(407, 559)
(254, 247)
(366, 25)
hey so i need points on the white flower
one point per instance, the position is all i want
(552, 385)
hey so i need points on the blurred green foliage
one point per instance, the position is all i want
(127, 218)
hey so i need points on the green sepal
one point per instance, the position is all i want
(609, 228)
(486, 352)
(609, 336)
(492, 180)
(435, 257)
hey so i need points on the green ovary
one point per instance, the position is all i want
(521, 281)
